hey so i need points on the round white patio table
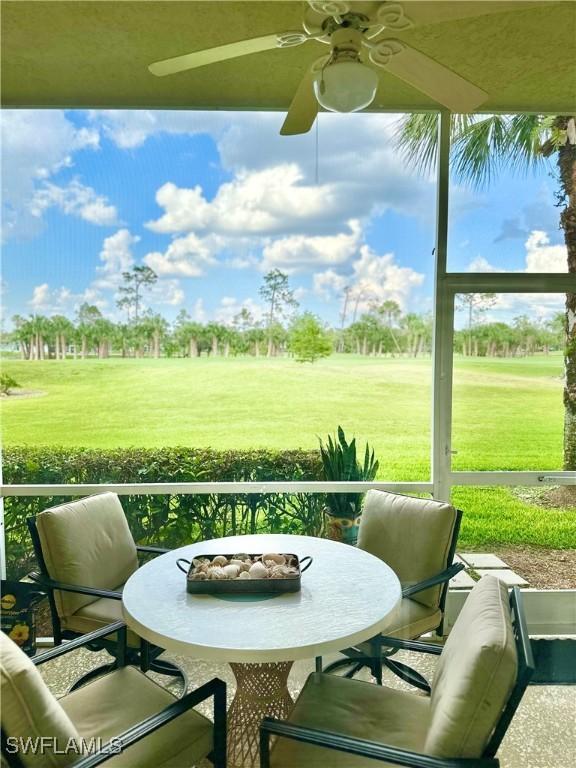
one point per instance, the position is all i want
(347, 596)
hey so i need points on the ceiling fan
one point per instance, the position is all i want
(359, 34)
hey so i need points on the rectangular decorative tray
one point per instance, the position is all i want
(245, 585)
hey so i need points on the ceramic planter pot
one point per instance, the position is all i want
(344, 529)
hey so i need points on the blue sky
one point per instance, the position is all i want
(212, 201)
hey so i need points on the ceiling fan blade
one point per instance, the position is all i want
(433, 79)
(213, 55)
(303, 108)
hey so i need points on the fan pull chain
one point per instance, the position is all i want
(316, 153)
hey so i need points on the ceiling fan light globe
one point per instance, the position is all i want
(346, 86)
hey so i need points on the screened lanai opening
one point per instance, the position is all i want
(191, 280)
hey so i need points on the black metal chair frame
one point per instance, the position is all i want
(144, 657)
(214, 688)
(377, 751)
(382, 647)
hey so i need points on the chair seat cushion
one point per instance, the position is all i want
(353, 708)
(98, 614)
(409, 621)
(113, 703)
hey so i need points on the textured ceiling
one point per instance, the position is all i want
(95, 54)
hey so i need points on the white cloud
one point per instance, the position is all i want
(36, 144)
(165, 292)
(269, 201)
(116, 255)
(198, 311)
(480, 264)
(330, 283)
(61, 301)
(543, 257)
(187, 256)
(540, 256)
(230, 307)
(374, 279)
(75, 199)
(379, 278)
(298, 252)
(357, 159)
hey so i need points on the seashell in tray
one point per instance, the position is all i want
(258, 571)
(200, 562)
(219, 560)
(231, 571)
(244, 575)
(242, 564)
(274, 558)
(199, 576)
(217, 572)
(282, 572)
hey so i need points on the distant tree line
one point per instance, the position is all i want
(382, 330)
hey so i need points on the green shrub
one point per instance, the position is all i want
(7, 383)
(169, 520)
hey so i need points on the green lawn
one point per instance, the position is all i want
(508, 415)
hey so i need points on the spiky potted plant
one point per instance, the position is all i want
(339, 462)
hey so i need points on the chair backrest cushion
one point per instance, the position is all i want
(475, 674)
(87, 542)
(30, 712)
(413, 536)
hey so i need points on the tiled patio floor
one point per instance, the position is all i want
(542, 734)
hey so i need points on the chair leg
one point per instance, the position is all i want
(407, 674)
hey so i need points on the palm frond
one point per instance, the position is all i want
(482, 145)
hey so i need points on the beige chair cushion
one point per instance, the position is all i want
(96, 615)
(30, 710)
(475, 674)
(410, 620)
(113, 703)
(412, 536)
(87, 542)
(354, 708)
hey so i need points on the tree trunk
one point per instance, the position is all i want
(57, 347)
(567, 171)
(257, 349)
(270, 351)
(193, 348)
(63, 350)
(84, 347)
(156, 344)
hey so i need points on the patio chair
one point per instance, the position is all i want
(86, 553)
(481, 675)
(417, 539)
(120, 719)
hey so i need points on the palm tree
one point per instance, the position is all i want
(481, 146)
(62, 329)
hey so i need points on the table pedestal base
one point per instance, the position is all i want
(262, 691)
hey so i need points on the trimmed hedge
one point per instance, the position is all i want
(166, 520)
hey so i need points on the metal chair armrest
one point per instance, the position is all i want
(215, 688)
(361, 747)
(47, 582)
(433, 581)
(79, 642)
(410, 645)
